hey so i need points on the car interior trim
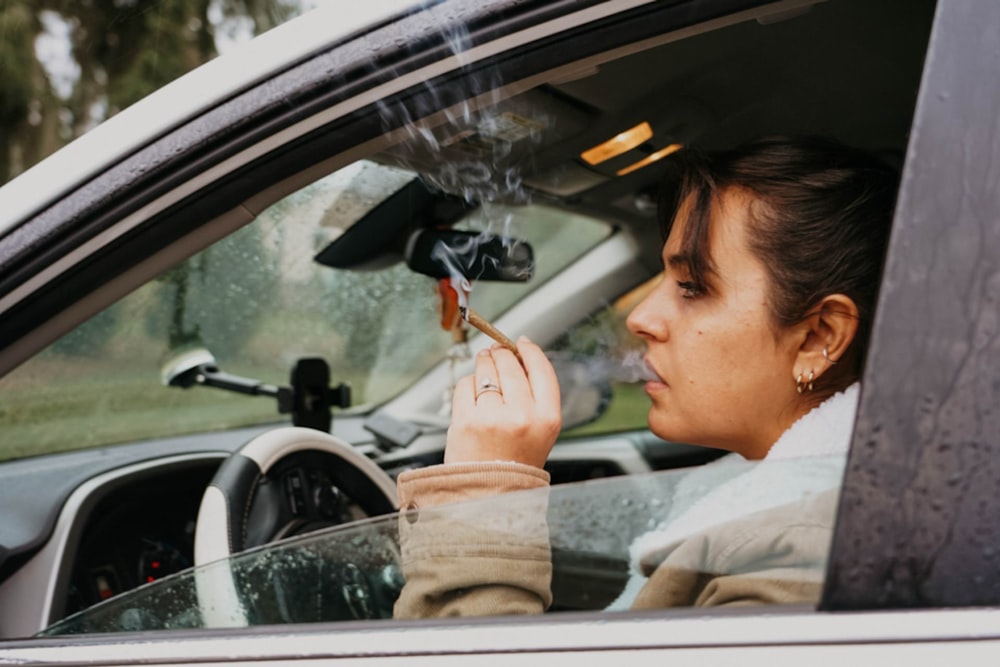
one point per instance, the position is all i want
(615, 449)
(43, 579)
(671, 630)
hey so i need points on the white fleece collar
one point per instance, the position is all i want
(808, 457)
(823, 431)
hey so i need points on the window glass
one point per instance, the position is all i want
(615, 355)
(699, 536)
(258, 301)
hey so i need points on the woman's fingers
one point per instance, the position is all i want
(489, 384)
(541, 376)
(516, 388)
(505, 411)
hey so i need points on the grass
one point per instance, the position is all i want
(626, 412)
(86, 411)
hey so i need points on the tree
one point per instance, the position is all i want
(119, 50)
(25, 90)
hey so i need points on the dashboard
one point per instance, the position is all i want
(141, 527)
(137, 533)
(81, 527)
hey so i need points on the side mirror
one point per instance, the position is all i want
(444, 253)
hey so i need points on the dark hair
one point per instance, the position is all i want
(818, 220)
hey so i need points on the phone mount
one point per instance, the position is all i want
(309, 399)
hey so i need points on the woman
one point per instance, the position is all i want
(771, 265)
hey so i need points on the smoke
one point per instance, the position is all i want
(481, 148)
(444, 254)
(477, 134)
(630, 366)
(606, 348)
(477, 149)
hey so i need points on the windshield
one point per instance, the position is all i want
(257, 301)
(731, 518)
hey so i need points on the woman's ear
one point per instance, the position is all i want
(829, 330)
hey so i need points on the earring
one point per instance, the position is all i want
(807, 385)
(826, 355)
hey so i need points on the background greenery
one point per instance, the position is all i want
(118, 52)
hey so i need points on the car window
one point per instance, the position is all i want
(614, 356)
(608, 539)
(257, 301)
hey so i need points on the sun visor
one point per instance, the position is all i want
(379, 238)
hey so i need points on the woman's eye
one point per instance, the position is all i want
(688, 289)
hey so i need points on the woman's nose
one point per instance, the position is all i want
(647, 320)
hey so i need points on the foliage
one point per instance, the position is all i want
(119, 51)
(217, 298)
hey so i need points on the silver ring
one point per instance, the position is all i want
(487, 386)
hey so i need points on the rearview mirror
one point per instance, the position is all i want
(445, 253)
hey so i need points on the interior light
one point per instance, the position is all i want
(650, 159)
(618, 144)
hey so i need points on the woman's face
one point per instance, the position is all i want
(724, 372)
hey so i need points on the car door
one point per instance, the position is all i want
(914, 571)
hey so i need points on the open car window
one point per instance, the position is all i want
(719, 522)
(257, 301)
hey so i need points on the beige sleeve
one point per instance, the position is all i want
(776, 556)
(485, 556)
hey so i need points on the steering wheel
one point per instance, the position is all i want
(224, 518)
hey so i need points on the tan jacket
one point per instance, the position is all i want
(485, 562)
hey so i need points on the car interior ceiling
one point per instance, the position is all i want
(848, 69)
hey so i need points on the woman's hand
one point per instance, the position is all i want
(505, 412)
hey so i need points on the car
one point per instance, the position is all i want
(229, 322)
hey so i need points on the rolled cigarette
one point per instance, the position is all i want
(477, 320)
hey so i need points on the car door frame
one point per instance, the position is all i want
(919, 382)
(917, 519)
